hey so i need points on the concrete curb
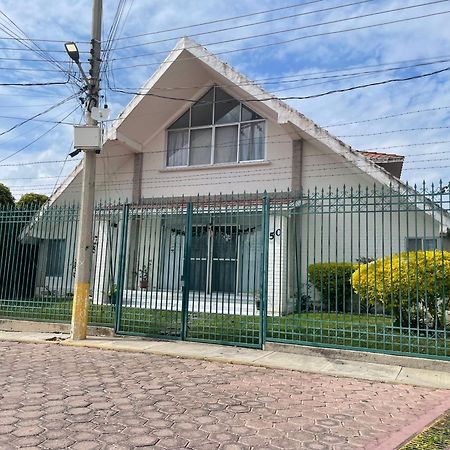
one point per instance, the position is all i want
(363, 356)
(393, 374)
(49, 327)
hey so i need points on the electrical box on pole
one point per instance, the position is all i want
(87, 137)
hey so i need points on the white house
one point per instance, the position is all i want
(198, 127)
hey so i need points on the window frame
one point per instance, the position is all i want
(420, 243)
(213, 127)
(55, 259)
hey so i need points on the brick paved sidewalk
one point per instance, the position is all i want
(57, 397)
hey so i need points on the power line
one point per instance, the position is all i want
(47, 83)
(305, 27)
(55, 187)
(19, 49)
(28, 69)
(163, 183)
(243, 171)
(176, 28)
(228, 19)
(110, 42)
(218, 166)
(38, 138)
(329, 79)
(404, 130)
(235, 27)
(37, 120)
(34, 163)
(295, 97)
(416, 144)
(34, 47)
(329, 33)
(390, 116)
(345, 74)
(37, 115)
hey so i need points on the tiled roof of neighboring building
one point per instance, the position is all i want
(382, 156)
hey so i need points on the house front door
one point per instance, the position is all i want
(214, 257)
(224, 259)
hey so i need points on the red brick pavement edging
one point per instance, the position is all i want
(413, 429)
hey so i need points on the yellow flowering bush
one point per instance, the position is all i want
(418, 281)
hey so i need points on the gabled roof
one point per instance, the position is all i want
(285, 115)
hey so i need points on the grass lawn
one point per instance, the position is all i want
(336, 329)
(435, 437)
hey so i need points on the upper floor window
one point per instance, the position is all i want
(216, 129)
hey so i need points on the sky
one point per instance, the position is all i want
(292, 48)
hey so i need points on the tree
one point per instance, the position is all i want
(31, 200)
(6, 198)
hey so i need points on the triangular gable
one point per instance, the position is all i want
(285, 114)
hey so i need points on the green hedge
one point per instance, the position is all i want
(332, 280)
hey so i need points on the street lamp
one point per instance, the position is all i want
(72, 51)
(74, 55)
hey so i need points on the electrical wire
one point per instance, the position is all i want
(390, 116)
(46, 83)
(38, 138)
(254, 47)
(324, 75)
(37, 115)
(295, 97)
(240, 39)
(218, 166)
(404, 130)
(261, 22)
(243, 171)
(33, 45)
(55, 187)
(167, 182)
(228, 19)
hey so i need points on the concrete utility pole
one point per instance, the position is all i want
(85, 244)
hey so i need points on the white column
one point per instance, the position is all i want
(102, 264)
(278, 285)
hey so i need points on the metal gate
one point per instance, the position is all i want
(193, 270)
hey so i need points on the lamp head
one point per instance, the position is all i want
(72, 51)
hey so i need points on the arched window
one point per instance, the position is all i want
(217, 129)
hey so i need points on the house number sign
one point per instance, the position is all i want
(272, 234)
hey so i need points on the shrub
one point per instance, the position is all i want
(413, 286)
(332, 280)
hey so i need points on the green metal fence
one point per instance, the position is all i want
(37, 264)
(359, 268)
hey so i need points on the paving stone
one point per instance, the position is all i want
(86, 445)
(144, 440)
(139, 401)
(28, 441)
(6, 429)
(57, 444)
(23, 431)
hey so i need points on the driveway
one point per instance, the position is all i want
(57, 397)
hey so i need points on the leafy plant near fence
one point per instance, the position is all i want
(332, 280)
(412, 286)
